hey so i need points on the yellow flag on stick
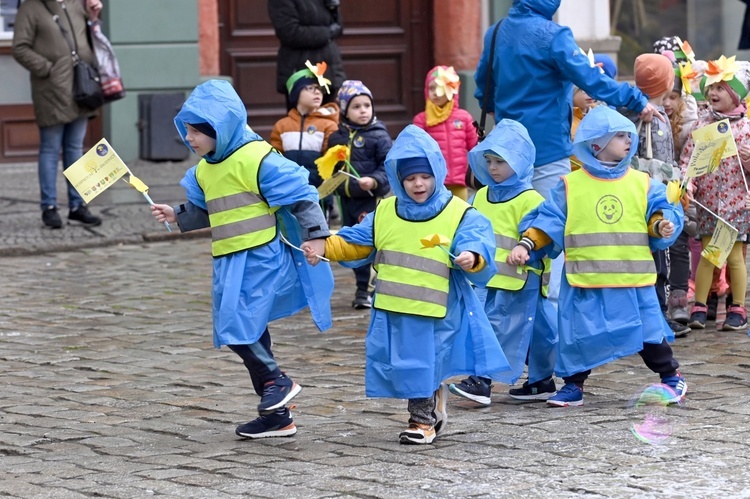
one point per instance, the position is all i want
(96, 170)
(721, 244)
(713, 143)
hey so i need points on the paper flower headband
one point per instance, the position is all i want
(447, 82)
(319, 70)
(724, 69)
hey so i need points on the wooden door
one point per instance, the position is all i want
(387, 44)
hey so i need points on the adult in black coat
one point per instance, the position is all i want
(307, 30)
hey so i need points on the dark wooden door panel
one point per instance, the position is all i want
(387, 44)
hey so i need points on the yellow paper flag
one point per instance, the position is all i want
(330, 185)
(721, 244)
(713, 143)
(137, 183)
(96, 170)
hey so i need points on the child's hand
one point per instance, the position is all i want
(666, 229)
(366, 183)
(163, 213)
(745, 153)
(466, 260)
(313, 249)
(518, 255)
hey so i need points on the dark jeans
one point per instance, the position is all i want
(259, 361)
(679, 263)
(657, 357)
(68, 139)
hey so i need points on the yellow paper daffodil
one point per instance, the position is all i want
(686, 75)
(688, 51)
(333, 156)
(674, 192)
(722, 69)
(447, 82)
(137, 183)
(319, 70)
(434, 240)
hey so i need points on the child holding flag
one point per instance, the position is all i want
(607, 217)
(723, 190)
(244, 190)
(427, 323)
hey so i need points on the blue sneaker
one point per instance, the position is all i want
(277, 393)
(678, 384)
(570, 395)
(473, 388)
(277, 424)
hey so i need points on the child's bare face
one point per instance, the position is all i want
(499, 169)
(419, 186)
(719, 99)
(359, 111)
(310, 98)
(201, 143)
(617, 149)
(439, 101)
(582, 100)
(670, 102)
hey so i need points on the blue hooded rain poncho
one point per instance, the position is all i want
(409, 356)
(524, 318)
(599, 325)
(253, 287)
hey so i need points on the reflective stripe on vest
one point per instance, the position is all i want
(413, 280)
(240, 219)
(505, 217)
(606, 237)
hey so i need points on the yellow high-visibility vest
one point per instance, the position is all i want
(505, 217)
(606, 236)
(412, 280)
(240, 218)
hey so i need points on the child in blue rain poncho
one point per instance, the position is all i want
(608, 218)
(246, 192)
(516, 303)
(427, 323)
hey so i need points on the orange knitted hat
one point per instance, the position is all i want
(654, 75)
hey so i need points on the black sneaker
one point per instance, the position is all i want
(277, 424)
(736, 318)
(541, 390)
(51, 218)
(712, 304)
(83, 215)
(679, 330)
(473, 388)
(277, 393)
(362, 300)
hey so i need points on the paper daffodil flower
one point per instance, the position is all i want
(434, 240)
(333, 156)
(447, 82)
(137, 183)
(688, 51)
(319, 70)
(722, 69)
(674, 192)
(687, 75)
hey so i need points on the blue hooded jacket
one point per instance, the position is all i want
(598, 325)
(255, 286)
(524, 321)
(536, 63)
(408, 356)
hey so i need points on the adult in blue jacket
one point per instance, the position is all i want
(535, 64)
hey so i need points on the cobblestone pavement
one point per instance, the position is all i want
(110, 387)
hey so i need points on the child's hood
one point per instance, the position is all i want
(546, 8)
(413, 142)
(509, 140)
(215, 102)
(598, 122)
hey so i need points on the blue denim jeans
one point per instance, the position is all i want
(546, 177)
(69, 139)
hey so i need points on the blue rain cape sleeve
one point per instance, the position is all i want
(409, 356)
(599, 325)
(253, 287)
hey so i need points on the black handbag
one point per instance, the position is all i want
(87, 86)
(471, 180)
